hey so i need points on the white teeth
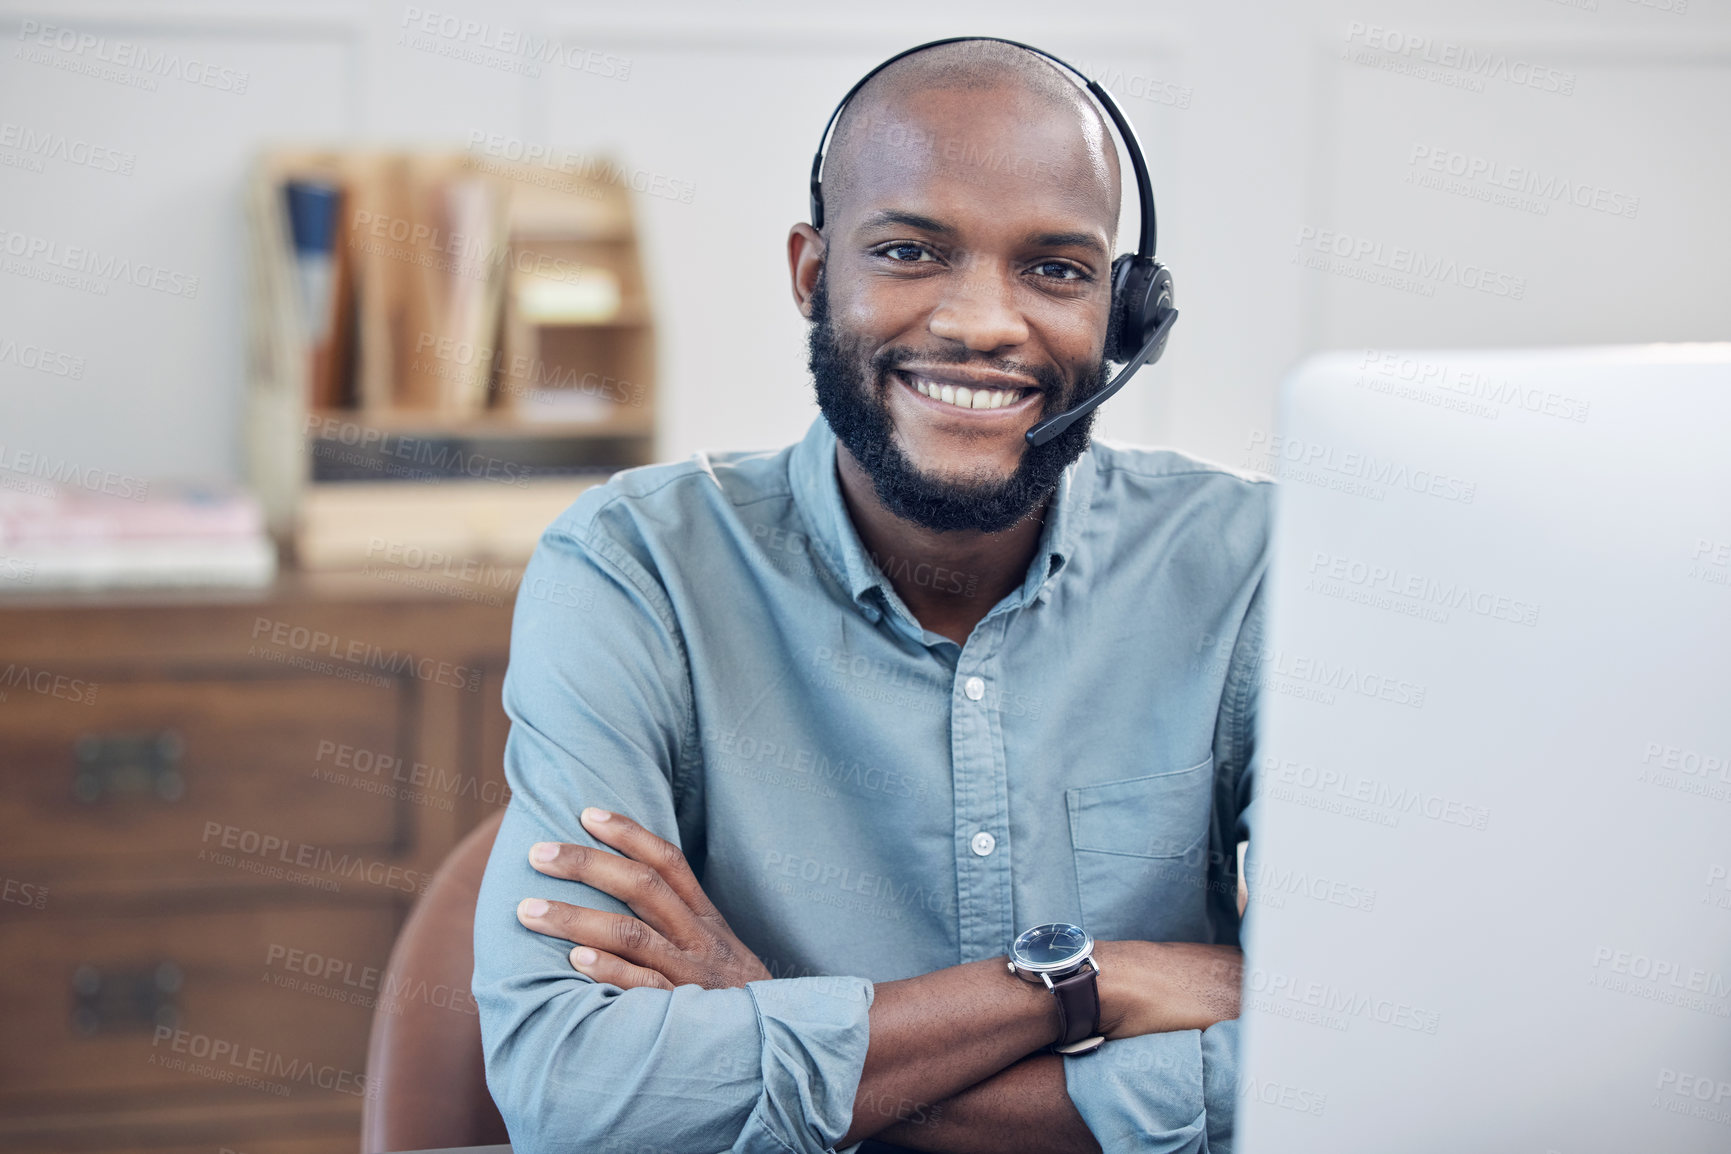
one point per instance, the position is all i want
(966, 398)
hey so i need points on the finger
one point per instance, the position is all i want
(638, 885)
(628, 937)
(639, 844)
(610, 968)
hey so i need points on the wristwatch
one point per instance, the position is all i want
(1062, 956)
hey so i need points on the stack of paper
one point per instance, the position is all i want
(190, 536)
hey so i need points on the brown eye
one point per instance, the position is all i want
(909, 253)
(1060, 270)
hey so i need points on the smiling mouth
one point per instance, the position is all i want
(962, 397)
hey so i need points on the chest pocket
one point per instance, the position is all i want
(1141, 850)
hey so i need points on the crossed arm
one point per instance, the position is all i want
(952, 1062)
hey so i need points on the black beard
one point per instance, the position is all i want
(848, 395)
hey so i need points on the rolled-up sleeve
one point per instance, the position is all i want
(1160, 1093)
(599, 696)
(1178, 1091)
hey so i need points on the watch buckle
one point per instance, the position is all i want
(1085, 1046)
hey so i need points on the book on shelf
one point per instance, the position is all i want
(315, 212)
(470, 294)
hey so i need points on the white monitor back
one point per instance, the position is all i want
(1490, 874)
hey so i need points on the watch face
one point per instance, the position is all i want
(1050, 945)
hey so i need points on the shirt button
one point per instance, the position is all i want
(984, 843)
(975, 688)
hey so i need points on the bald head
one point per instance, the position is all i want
(984, 110)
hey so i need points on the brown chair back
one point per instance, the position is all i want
(427, 1086)
(432, 1085)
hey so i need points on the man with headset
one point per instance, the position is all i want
(887, 788)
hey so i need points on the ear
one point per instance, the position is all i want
(805, 249)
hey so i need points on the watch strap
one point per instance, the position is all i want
(1078, 1011)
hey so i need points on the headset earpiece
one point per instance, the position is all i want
(1141, 296)
(1118, 264)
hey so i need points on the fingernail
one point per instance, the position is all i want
(593, 814)
(586, 956)
(533, 908)
(544, 850)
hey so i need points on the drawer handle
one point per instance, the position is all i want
(128, 765)
(125, 999)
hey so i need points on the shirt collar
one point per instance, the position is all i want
(817, 492)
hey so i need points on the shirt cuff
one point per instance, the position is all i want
(1159, 1093)
(814, 1033)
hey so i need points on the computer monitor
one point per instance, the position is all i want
(1490, 868)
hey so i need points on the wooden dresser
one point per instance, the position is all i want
(215, 811)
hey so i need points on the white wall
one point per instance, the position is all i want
(1277, 134)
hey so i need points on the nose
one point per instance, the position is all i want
(979, 311)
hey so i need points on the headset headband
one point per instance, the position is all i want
(1144, 187)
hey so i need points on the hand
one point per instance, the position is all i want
(678, 937)
(1156, 987)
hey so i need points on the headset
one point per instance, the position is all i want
(1141, 285)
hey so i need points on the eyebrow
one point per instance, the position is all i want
(1085, 240)
(928, 224)
(910, 219)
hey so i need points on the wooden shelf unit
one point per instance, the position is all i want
(565, 363)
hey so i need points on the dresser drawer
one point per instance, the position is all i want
(152, 774)
(247, 1007)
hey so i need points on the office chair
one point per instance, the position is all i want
(427, 1086)
(432, 1085)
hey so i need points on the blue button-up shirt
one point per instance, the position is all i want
(707, 647)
